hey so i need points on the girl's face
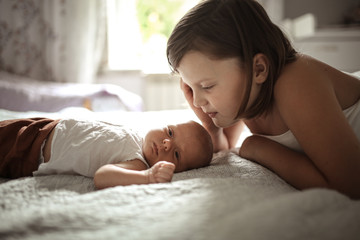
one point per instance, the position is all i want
(218, 85)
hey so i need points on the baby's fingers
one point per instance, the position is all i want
(167, 165)
(163, 179)
(165, 173)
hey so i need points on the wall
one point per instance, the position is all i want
(327, 12)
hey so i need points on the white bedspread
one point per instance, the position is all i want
(233, 198)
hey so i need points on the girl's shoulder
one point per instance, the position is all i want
(311, 78)
(303, 69)
(300, 76)
(304, 91)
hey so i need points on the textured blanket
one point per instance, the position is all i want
(233, 198)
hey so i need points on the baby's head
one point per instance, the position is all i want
(187, 145)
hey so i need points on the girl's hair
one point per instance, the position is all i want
(224, 29)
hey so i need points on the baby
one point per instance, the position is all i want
(111, 154)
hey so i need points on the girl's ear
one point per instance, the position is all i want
(260, 68)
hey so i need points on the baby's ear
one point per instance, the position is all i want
(260, 68)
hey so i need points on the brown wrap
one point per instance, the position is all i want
(20, 145)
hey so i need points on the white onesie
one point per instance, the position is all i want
(352, 114)
(82, 147)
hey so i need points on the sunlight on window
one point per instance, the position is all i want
(124, 37)
(138, 31)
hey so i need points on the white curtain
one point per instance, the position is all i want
(57, 40)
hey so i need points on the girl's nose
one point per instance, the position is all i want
(167, 144)
(198, 100)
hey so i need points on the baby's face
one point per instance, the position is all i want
(174, 143)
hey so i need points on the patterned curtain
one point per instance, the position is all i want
(52, 40)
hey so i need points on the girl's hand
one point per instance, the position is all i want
(161, 172)
(203, 117)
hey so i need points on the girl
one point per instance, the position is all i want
(237, 67)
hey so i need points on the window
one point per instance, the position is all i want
(138, 31)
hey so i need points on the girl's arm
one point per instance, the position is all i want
(294, 167)
(222, 138)
(233, 133)
(225, 138)
(132, 172)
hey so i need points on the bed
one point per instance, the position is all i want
(233, 198)
(19, 93)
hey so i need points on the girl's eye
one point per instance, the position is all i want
(207, 87)
(171, 133)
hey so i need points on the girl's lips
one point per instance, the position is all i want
(211, 114)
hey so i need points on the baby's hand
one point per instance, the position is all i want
(161, 172)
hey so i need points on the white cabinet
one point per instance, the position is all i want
(339, 48)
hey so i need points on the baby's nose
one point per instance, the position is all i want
(167, 144)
